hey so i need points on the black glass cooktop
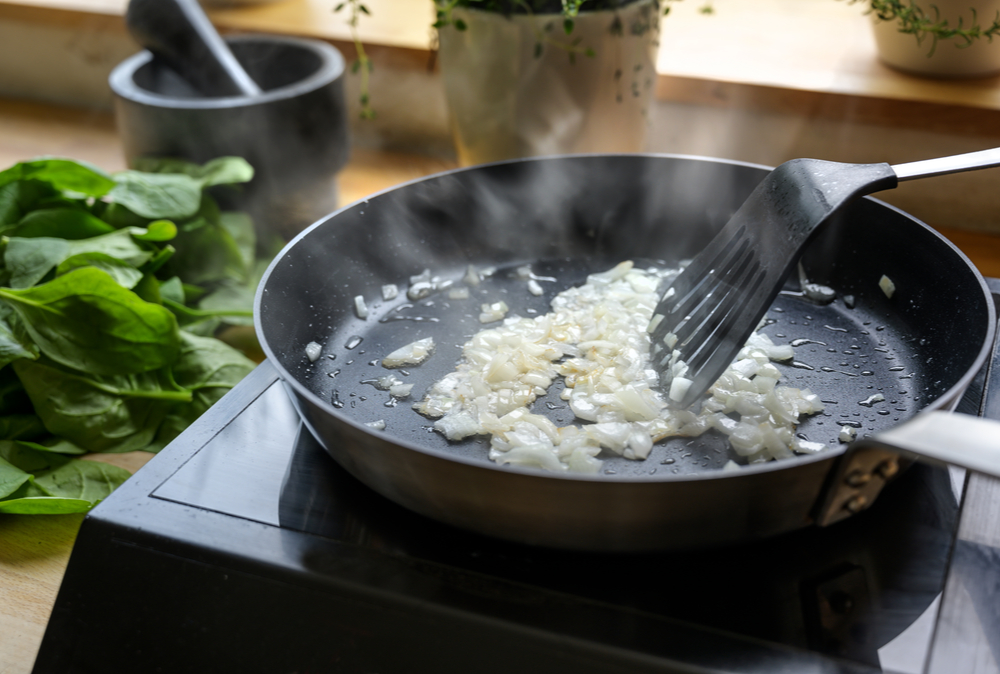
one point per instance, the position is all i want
(244, 547)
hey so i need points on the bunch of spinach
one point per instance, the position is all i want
(112, 287)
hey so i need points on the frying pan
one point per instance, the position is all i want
(567, 217)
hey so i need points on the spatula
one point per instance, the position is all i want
(706, 315)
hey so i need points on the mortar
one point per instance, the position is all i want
(294, 134)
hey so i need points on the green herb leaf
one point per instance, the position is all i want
(219, 171)
(64, 223)
(20, 427)
(15, 342)
(157, 231)
(85, 320)
(123, 273)
(100, 414)
(62, 174)
(157, 195)
(19, 197)
(11, 478)
(44, 505)
(89, 481)
(209, 368)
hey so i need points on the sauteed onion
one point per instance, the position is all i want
(595, 341)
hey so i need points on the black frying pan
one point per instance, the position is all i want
(568, 217)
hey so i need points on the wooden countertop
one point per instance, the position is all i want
(34, 551)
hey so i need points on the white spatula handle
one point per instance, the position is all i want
(945, 165)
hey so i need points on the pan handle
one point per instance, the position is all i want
(943, 438)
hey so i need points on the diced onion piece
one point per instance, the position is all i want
(360, 308)
(461, 293)
(847, 434)
(390, 292)
(411, 354)
(887, 286)
(679, 388)
(377, 425)
(491, 313)
(534, 288)
(313, 351)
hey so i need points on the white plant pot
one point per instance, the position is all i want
(948, 58)
(507, 100)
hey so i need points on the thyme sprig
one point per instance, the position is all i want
(913, 19)
(362, 64)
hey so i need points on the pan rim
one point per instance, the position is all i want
(947, 401)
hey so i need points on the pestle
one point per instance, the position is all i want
(180, 33)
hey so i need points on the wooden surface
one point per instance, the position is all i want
(34, 550)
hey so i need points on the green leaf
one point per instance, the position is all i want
(89, 481)
(231, 301)
(62, 174)
(44, 505)
(157, 195)
(19, 197)
(219, 171)
(63, 223)
(100, 414)
(240, 227)
(20, 427)
(157, 231)
(55, 445)
(172, 289)
(122, 272)
(15, 342)
(208, 254)
(86, 321)
(29, 260)
(209, 368)
(11, 478)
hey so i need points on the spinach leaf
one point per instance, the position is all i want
(20, 427)
(20, 197)
(157, 195)
(100, 414)
(219, 171)
(44, 505)
(240, 227)
(157, 231)
(29, 260)
(209, 368)
(63, 175)
(231, 301)
(90, 481)
(57, 445)
(172, 289)
(86, 321)
(122, 272)
(14, 340)
(64, 223)
(11, 478)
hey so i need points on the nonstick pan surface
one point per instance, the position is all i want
(567, 217)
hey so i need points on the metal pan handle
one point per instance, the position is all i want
(936, 437)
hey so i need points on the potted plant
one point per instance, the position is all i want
(938, 38)
(533, 77)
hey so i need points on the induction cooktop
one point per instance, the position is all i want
(244, 547)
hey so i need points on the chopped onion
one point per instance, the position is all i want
(887, 286)
(413, 353)
(847, 434)
(390, 292)
(595, 338)
(377, 425)
(360, 308)
(313, 351)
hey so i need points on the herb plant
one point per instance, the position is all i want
(923, 20)
(111, 289)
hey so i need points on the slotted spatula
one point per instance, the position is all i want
(706, 315)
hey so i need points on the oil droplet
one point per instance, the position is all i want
(373, 362)
(336, 401)
(802, 342)
(353, 342)
(553, 406)
(898, 368)
(333, 374)
(391, 402)
(866, 373)
(830, 327)
(884, 413)
(802, 366)
(872, 399)
(332, 356)
(667, 462)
